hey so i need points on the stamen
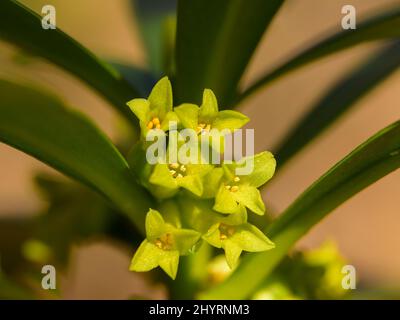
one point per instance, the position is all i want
(165, 242)
(155, 122)
(226, 231)
(150, 125)
(236, 179)
(234, 188)
(159, 243)
(227, 187)
(174, 165)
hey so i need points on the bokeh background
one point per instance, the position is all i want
(366, 228)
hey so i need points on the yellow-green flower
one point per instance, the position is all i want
(235, 190)
(163, 245)
(155, 112)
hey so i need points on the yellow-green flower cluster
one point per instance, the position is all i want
(196, 202)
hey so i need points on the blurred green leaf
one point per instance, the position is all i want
(371, 161)
(152, 15)
(9, 289)
(141, 79)
(215, 41)
(339, 99)
(15, 229)
(22, 27)
(386, 25)
(41, 126)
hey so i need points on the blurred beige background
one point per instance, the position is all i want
(366, 228)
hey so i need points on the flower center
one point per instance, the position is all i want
(225, 231)
(177, 170)
(154, 123)
(165, 242)
(233, 185)
(203, 127)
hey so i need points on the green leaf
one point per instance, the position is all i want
(386, 25)
(340, 99)
(41, 126)
(139, 78)
(214, 43)
(371, 161)
(154, 17)
(22, 27)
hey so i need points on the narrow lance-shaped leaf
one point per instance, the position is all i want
(152, 16)
(386, 25)
(340, 99)
(39, 125)
(215, 41)
(371, 161)
(22, 27)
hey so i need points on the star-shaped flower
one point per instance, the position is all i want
(237, 238)
(235, 190)
(155, 112)
(171, 177)
(231, 232)
(207, 117)
(163, 245)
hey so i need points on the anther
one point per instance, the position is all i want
(234, 188)
(174, 165)
(150, 125)
(236, 179)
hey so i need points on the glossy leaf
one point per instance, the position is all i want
(384, 26)
(22, 27)
(153, 17)
(214, 43)
(371, 161)
(41, 126)
(339, 100)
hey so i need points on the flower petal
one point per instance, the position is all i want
(213, 236)
(213, 180)
(161, 97)
(169, 117)
(229, 119)
(146, 257)
(169, 262)
(162, 177)
(251, 239)
(188, 115)
(155, 225)
(209, 108)
(264, 169)
(225, 201)
(232, 252)
(185, 240)
(250, 197)
(140, 107)
(192, 183)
